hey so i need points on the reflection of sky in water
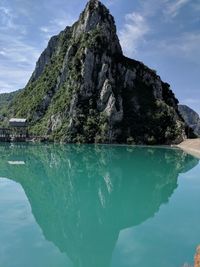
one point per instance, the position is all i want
(26, 240)
(167, 238)
(171, 228)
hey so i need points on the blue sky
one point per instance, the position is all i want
(164, 34)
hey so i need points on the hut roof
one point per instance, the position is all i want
(18, 120)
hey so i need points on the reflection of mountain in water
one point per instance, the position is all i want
(82, 196)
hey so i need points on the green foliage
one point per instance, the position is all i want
(130, 140)
(57, 93)
(6, 98)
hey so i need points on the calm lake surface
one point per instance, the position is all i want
(98, 206)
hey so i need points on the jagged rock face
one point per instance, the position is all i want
(191, 118)
(45, 58)
(84, 90)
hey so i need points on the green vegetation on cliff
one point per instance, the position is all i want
(84, 90)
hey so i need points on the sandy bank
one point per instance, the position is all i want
(191, 146)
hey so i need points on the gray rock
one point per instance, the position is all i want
(191, 118)
(96, 92)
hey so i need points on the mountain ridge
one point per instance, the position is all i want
(191, 118)
(85, 90)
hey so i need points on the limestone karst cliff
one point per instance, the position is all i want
(85, 90)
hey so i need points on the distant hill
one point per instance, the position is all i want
(191, 118)
(6, 98)
(5, 102)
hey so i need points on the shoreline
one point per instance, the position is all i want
(191, 146)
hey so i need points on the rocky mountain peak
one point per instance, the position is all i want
(84, 90)
(95, 12)
(96, 19)
(94, 5)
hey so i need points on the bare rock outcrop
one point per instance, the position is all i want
(85, 90)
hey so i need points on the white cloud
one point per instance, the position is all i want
(17, 54)
(56, 25)
(45, 29)
(64, 21)
(140, 29)
(5, 10)
(110, 3)
(136, 26)
(169, 8)
(186, 46)
(133, 32)
(17, 62)
(14, 78)
(6, 18)
(8, 23)
(174, 7)
(151, 7)
(2, 53)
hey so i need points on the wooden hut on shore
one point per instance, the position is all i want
(19, 129)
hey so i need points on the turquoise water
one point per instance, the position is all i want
(98, 206)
